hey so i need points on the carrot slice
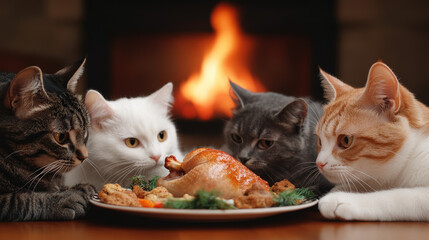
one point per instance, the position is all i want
(157, 205)
(146, 203)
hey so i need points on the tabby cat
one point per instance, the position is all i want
(128, 137)
(373, 143)
(43, 130)
(273, 135)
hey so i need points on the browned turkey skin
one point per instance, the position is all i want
(208, 169)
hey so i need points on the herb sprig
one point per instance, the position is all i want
(294, 197)
(141, 181)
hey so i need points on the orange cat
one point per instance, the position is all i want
(374, 145)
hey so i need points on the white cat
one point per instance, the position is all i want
(128, 136)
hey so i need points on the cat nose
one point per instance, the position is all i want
(243, 160)
(82, 154)
(155, 157)
(320, 165)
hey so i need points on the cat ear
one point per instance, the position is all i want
(332, 86)
(72, 75)
(22, 95)
(98, 108)
(241, 95)
(382, 89)
(164, 96)
(293, 115)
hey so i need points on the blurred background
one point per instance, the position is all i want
(134, 48)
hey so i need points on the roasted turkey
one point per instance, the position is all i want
(208, 169)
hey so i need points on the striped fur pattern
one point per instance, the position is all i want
(373, 146)
(43, 131)
(272, 134)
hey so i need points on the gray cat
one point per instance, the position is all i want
(43, 130)
(273, 135)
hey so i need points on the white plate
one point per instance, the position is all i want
(203, 214)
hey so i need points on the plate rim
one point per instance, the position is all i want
(198, 214)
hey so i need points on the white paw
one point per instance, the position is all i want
(339, 205)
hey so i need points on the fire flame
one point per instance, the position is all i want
(207, 92)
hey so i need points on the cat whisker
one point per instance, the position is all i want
(127, 172)
(342, 181)
(316, 114)
(117, 176)
(304, 170)
(306, 163)
(362, 183)
(62, 168)
(311, 173)
(57, 165)
(367, 175)
(113, 166)
(278, 172)
(34, 175)
(316, 175)
(351, 181)
(10, 155)
(132, 169)
(84, 173)
(311, 177)
(140, 171)
(313, 118)
(93, 165)
(36, 172)
(113, 177)
(345, 182)
(122, 173)
(46, 169)
(268, 175)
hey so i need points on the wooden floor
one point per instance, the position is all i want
(304, 224)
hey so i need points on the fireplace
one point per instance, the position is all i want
(134, 49)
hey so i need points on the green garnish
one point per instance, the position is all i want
(141, 181)
(202, 200)
(294, 197)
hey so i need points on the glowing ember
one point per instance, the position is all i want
(207, 93)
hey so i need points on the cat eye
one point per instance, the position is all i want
(132, 142)
(61, 138)
(265, 144)
(345, 141)
(162, 136)
(236, 138)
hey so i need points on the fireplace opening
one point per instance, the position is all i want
(200, 46)
(205, 94)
